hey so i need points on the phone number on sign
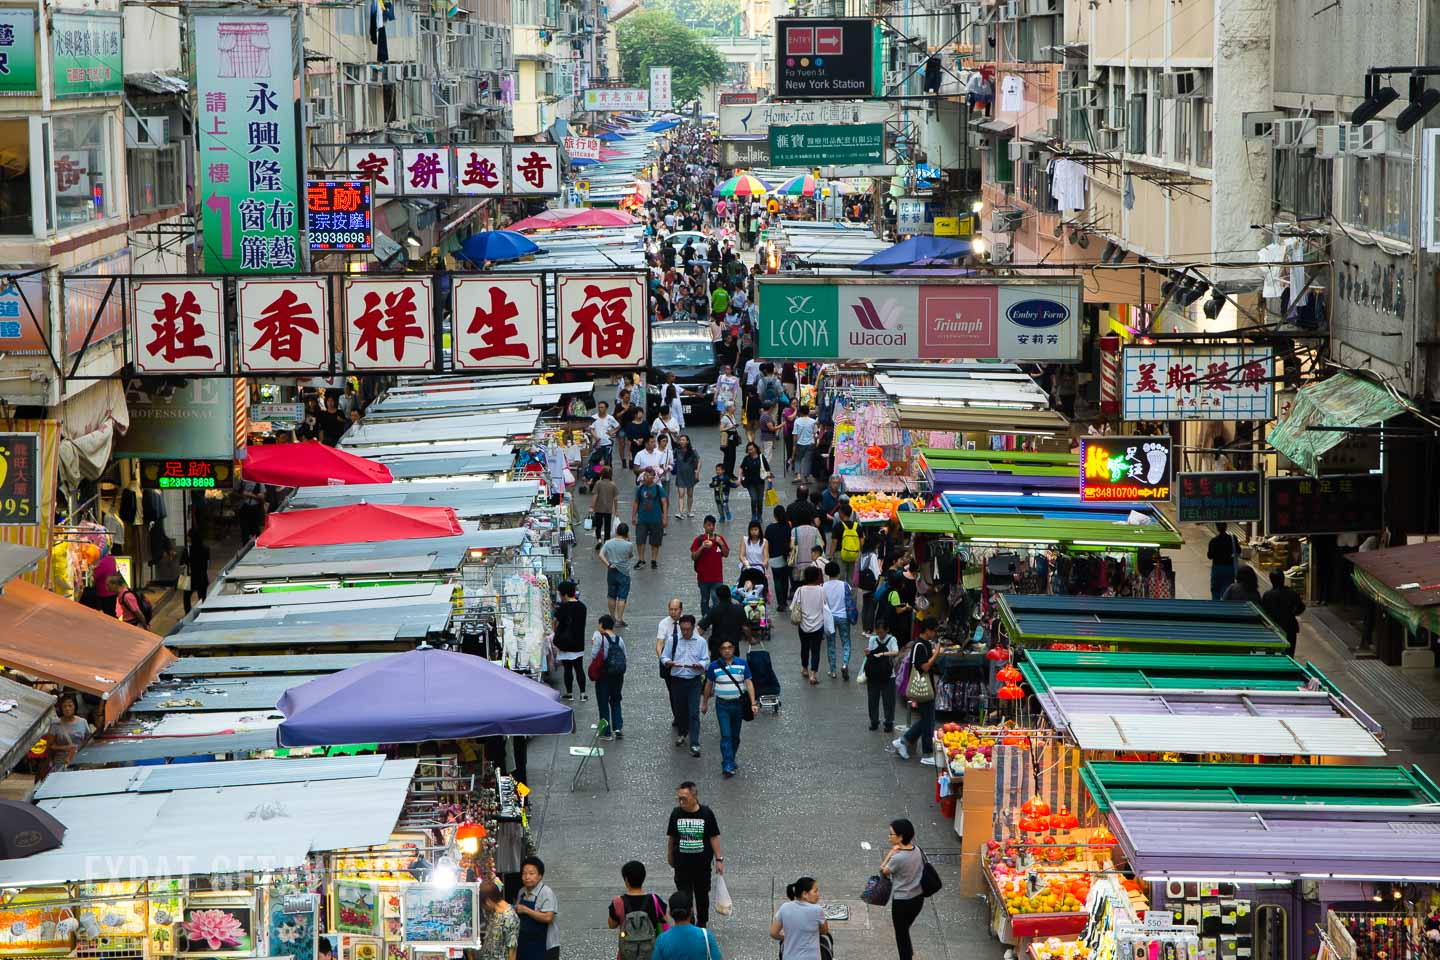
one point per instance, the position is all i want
(15, 507)
(341, 239)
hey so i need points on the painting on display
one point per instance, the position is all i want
(216, 929)
(117, 910)
(291, 920)
(30, 924)
(390, 904)
(356, 908)
(166, 900)
(436, 916)
(356, 947)
(394, 950)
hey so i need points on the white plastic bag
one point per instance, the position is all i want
(720, 900)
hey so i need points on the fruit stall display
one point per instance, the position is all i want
(881, 507)
(1056, 948)
(972, 747)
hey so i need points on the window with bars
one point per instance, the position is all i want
(154, 176)
(1034, 185)
(1378, 193)
(1300, 184)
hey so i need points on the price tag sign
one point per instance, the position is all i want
(338, 215)
(19, 478)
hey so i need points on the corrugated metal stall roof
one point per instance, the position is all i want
(424, 555)
(1310, 842)
(1412, 571)
(470, 499)
(1045, 669)
(199, 694)
(410, 432)
(1113, 784)
(24, 723)
(210, 829)
(276, 664)
(1128, 727)
(1120, 621)
(422, 467)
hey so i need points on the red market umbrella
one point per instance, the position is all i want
(607, 154)
(568, 218)
(357, 523)
(310, 464)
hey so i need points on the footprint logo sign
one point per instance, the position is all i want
(1126, 468)
(1157, 458)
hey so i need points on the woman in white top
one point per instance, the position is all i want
(665, 424)
(810, 601)
(755, 552)
(666, 449)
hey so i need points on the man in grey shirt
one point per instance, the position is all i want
(616, 555)
(687, 671)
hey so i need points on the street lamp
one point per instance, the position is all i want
(1422, 101)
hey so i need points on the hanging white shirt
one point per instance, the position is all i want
(1067, 184)
(1012, 94)
(1271, 253)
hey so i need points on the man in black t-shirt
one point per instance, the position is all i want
(694, 843)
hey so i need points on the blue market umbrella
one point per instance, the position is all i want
(611, 137)
(907, 252)
(660, 126)
(583, 161)
(497, 245)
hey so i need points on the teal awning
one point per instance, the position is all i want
(1344, 400)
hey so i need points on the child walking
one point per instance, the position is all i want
(722, 484)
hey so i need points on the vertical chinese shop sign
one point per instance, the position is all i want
(248, 142)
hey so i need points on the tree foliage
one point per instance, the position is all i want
(718, 17)
(654, 38)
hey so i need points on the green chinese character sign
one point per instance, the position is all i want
(249, 167)
(86, 55)
(799, 321)
(837, 145)
(18, 73)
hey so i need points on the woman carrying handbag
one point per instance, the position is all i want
(919, 689)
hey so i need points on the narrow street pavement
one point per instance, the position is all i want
(815, 787)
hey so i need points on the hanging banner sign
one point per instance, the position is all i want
(818, 58)
(1125, 469)
(19, 479)
(284, 325)
(1198, 383)
(661, 97)
(178, 326)
(88, 54)
(825, 318)
(534, 170)
(248, 145)
(337, 215)
(617, 99)
(757, 118)
(811, 145)
(1230, 496)
(480, 171)
(602, 320)
(754, 152)
(499, 323)
(19, 73)
(389, 324)
(910, 215)
(425, 171)
(377, 164)
(749, 96)
(1344, 503)
(583, 148)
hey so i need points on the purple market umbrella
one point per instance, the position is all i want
(425, 694)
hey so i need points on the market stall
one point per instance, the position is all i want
(1257, 858)
(1125, 624)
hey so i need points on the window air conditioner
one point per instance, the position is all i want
(146, 133)
(1330, 141)
(1006, 221)
(1293, 132)
(1000, 253)
(1367, 140)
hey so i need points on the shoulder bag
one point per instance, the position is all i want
(674, 639)
(596, 670)
(929, 877)
(918, 687)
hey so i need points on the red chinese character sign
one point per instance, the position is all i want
(1184, 382)
(602, 320)
(425, 171)
(499, 323)
(389, 325)
(377, 164)
(534, 169)
(284, 325)
(480, 171)
(178, 326)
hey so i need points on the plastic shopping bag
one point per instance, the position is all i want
(771, 497)
(720, 896)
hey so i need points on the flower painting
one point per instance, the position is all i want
(431, 915)
(213, 929)
(354, 947)
(356, 908)
(290, 921)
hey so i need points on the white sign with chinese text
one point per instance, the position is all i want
(534, 169)
(1230, 382)
(284, 325)
(389, 324)
(72, 173)
(601, 320)
(499, 324)
(178, 326)
(661, 97)
(425, 171)
(376, 163)
(583, 148)
(480, 171)
(617, 99)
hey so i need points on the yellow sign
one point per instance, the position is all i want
(948, 227)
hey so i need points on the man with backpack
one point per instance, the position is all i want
(130, 606)
(607, 669)
(847, 541)
(638, 915)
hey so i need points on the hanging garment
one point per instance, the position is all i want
(1067, 184)
(1127, 196)
(1273, 284)
(1012, 94)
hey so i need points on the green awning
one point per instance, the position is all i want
(1019, 530)
(1344, 400)
(1249, 783)
(1395, 603)
(1075, 670)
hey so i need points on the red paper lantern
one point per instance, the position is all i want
(1036, 806)
(1064, 820)
(1008, 674)
(1103, 837)
(1010, 692)
(1033, 824)
(997, 654)
(874, 450)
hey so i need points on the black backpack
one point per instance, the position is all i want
(615, 664)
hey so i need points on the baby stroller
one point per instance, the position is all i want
(757, 634)
(591, 471)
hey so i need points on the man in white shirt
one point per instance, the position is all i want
(604, 427)
(687, 671)
(752, 373)
(649, 459)
(804, 432)
(667, 643)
